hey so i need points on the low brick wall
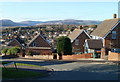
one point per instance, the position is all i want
(40, 56)
(113, 56)
(79, 56)
(64, 57)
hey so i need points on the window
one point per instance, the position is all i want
(34, 43)
(77, 42)
(117, 50)
(113, 34)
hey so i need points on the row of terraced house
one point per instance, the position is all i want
(105, 38)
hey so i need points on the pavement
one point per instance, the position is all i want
(91, 69)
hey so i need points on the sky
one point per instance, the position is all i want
(47, 11)
(59, 0)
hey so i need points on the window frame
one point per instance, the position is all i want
(77, 42)
(114, 35)
(34, 44)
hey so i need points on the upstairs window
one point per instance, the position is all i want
(34, 43)
(113, 34)
(77, 42)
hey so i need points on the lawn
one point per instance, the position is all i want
(5, 62)
(12, 73)
(22, 64)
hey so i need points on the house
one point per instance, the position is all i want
(78, 37)
(38, 46)
(19, 43)
(109, 32)
(93, 46)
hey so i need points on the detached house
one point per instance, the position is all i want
(19, 43)
(38, 46)
(78, 37)
(109, 32)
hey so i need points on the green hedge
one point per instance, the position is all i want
(64, 45)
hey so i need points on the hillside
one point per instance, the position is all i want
(6, 22)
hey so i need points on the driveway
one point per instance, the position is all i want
(76, 70)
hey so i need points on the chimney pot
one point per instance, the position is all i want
(114, 15)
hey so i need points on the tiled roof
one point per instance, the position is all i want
(42, 42)
(105, 27)
(94, 43)
(18, 40)
(75, 34)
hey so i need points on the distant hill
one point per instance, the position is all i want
(6, 22)
(30, 23)
(72, 21)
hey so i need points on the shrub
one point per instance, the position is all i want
(13, 51)
(28, 53)
(9, 51)
(4, 51)
(64, 46)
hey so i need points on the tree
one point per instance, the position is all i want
(4, 51)
(28, 53)
(9, 51)
(13, 51)
(64, 46)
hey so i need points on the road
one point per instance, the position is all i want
(76, 70)
(84, 71)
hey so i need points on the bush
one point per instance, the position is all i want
(4, 51)
(64, 46)
(13, 51)
(29, 53)
(9, 51)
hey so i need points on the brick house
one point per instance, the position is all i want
(38, 46)
(78, 37)
(109, 32)
(19, 43)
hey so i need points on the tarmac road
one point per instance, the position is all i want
(76, 70)
(84, 71)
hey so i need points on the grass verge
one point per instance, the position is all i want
(12, 73)
(22, 64)
(5, 63)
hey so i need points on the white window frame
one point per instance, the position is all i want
(113, 34)
(77, 42)
(34, 43)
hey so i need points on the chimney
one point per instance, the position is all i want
(114, 16)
